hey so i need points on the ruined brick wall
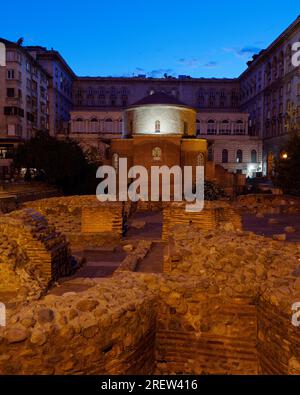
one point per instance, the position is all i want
(32, 254)
(213, 216)
(84, 220)
(201, 332)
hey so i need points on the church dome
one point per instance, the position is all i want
(159, 114)
(159, 98)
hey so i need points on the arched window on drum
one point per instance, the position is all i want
(200, 159)
(115, 161)
(157, 126)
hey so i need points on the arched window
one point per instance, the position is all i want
(157, 126)
(211, 127)
(94, 125)
(156, 154)
(239, 156)
(225, 127)
(225, 156)
(108, 125)
(115, 161)
(79, 125)
(253, 156)
(239, 128)
(200, 159)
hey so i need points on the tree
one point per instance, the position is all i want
(287, 167)
(62, 162)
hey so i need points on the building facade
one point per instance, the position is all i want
(245, 120)
(270, 94)
(24, 99)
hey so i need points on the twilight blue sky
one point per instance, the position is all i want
(210, 38)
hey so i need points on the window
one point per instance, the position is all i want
(225, 156)
(94, 125)
(211, 127)
(200, 159)
(225, 127)
(239, 128)
(10, 92)
(79, 125)
(157, 126)
(115, 161)
(239, 156)
(156, 154)
(253, 156)
(108, 125)
(10, 74)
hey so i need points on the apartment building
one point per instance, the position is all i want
(24, 99)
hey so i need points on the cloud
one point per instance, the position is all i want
(189, 63)
(246, 51)
(211, 64)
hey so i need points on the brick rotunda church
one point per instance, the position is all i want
(159, 130)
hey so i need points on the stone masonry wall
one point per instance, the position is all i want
(108, 329)
(32, 254)
(213, 216)
(84, 220)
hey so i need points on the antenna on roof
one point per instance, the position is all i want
(20, 41)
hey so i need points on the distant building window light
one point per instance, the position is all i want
(239, 156)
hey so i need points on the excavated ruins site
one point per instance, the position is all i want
(196, 293)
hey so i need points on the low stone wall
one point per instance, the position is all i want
(108, 329)
(32, 254)
(267, 204)
(213, 216)
(84, 220)
(12, 195)
(135, 254)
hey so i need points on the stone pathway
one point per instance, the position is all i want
(262, 227)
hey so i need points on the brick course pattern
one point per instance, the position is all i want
(33, 255)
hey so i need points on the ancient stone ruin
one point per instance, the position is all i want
(33, 255)
(223, 304)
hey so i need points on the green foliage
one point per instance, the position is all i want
(287, 171)
(62, 162)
